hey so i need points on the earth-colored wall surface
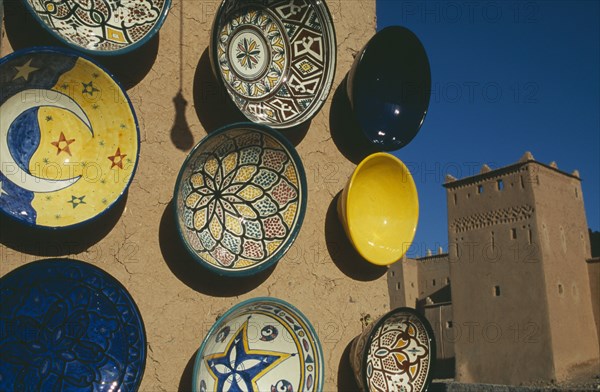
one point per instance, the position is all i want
(177, 101)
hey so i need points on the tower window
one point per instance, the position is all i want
(513, 234)
(530, 237)
(496, 291)
(455, 199)
(576, 193)
(433, 282)
(560, 289)
(479, 188)
(500, 184)
(449, 324)
(398, 286)
(447, 280)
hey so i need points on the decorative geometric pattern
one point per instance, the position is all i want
(491, 218)
(66, 130)
(100, 25)
(295, 45)
(398, 357)
(240, 198)
(68, 326)
(273, 348)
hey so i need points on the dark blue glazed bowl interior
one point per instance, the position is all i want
(389, 87)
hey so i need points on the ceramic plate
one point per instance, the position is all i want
(101, 27)
(69, 138)
(396, 353)
(263, 344)
(240, 199)
(68, 326)
(276, 58)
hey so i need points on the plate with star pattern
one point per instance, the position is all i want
(262, 344)
(69, 138)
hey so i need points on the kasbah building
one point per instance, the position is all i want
(516, 300)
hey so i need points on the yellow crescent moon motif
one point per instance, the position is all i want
(11, 110)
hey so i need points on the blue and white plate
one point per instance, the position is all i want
(262, 344)
(68, 326)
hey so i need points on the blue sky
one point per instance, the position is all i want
(507, 77)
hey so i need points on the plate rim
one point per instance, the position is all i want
(129, 48)
(328, 82)
(198, 357)
(301, 210)
(125, 190)
(115, 282)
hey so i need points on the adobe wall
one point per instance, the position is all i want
(564, 248)
(434, 273)
(594, 273)
(403, 284)
(498, 290)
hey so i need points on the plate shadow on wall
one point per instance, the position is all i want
(187, 377)
(191, 273)
(345, 377)
(343, 254)
(24, 31)
(215, 108)
(345, 130)
(60, 242)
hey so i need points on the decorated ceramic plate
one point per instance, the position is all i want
(240, 199)
(69, 138)
(68, 326)
(101, 27)
(263, 344)
(276, 58)
(396, 353)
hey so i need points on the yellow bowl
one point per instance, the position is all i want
(379, 209)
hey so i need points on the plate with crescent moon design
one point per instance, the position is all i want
(69, 138)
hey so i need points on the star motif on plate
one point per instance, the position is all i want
(117, 159)
(24, 70)
(62, 144)
(76, 201)
(239, 367)
(88, 88)
(248, 53)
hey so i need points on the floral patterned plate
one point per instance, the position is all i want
(276, 58)
(101, 27)
(262, 344)
(240, 199)
(68, 326)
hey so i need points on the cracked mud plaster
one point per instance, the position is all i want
(178, 314)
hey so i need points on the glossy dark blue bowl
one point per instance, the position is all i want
(389, 87)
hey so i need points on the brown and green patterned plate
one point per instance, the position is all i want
(276, 58)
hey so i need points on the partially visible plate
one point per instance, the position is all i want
(68, 326)
(276, 58)
(101, 27)
(69, 139)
